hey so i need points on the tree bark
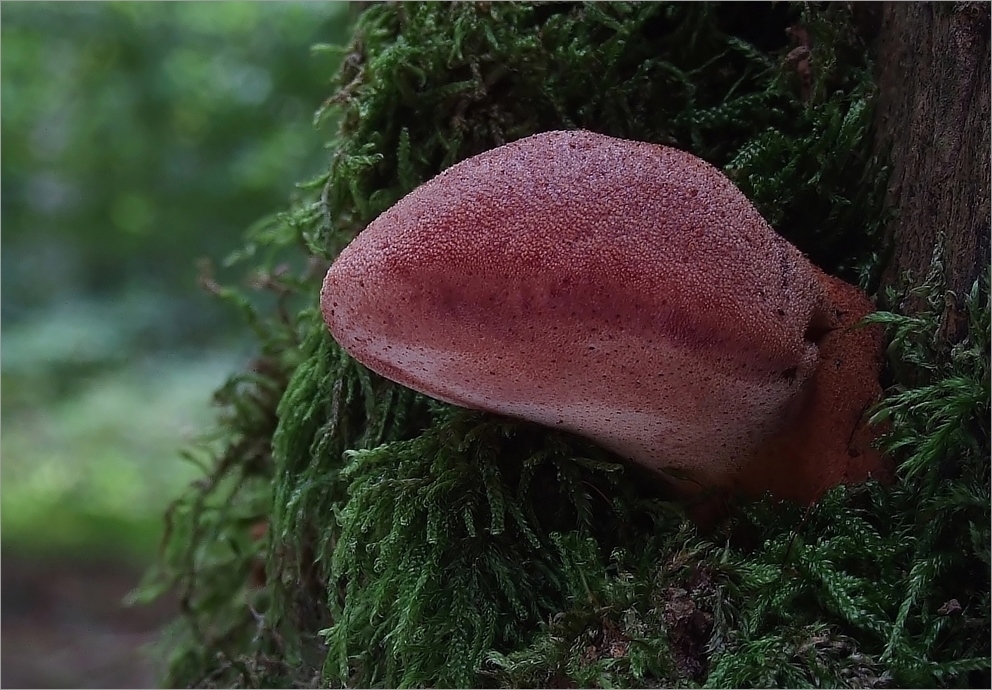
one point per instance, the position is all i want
(933, 122)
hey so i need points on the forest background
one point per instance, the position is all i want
(139, 142)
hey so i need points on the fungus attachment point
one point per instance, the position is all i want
(627, 292)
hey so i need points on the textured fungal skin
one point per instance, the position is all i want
(624, 291)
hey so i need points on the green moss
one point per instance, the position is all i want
(410, 543)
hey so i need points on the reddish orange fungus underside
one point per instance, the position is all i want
(629, 293)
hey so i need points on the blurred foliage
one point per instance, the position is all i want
(91, 473)
(140, 136)
(136, 139)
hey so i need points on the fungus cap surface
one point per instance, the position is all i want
(625, 291)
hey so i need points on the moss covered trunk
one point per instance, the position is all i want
(354, 533)
(932, 120)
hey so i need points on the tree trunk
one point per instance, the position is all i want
(933, 123)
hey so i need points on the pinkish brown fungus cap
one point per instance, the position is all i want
(626, 292)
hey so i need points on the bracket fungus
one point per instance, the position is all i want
(629, 293)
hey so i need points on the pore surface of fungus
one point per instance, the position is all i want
(624, 291)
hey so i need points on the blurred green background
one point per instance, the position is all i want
(137, 138)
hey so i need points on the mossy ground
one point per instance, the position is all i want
(352, 532)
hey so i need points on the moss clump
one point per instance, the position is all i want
(351, 532)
